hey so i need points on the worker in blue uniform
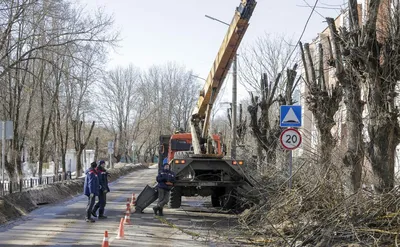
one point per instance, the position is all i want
(165, 179)
(91, 189)
(104, 189)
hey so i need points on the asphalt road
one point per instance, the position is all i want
(63, 224)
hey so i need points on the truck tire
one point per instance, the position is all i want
(182, 154)
(175, 200)
(215, 201)
(216, 196)
(228, 200)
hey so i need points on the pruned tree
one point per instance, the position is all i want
(267, 57)
(323, 99)
(241, 128)
(266, 129)
(367, 55)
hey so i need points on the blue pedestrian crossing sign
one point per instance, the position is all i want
(290, 116)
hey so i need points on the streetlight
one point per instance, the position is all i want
(234, 95)
(215, 19)
(198, 77)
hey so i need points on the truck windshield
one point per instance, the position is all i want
(180, 145)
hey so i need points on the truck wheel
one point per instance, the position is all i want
(215, 201)
(175, 200)
(228, 200)
(182, 154)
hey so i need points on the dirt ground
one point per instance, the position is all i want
(21, 203)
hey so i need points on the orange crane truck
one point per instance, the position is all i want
(198, 158)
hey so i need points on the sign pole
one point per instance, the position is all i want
(290, 169)
(3, 153)
(290, 139)
(290, 116)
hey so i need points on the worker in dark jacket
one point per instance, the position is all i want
(91, 189)
(104, 189)
(165, 179)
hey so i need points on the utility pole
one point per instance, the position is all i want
(234, 110)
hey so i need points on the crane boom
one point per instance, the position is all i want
(219, 69)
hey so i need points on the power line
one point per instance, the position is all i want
(314, 8)
(334, 5)
(301, 36)
(309, 6)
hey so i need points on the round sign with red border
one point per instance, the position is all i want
(290, 139)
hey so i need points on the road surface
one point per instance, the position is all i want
(62, 224)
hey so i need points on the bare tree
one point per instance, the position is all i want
(323, 99)
(265, 129)
(39, 31)
(267, 57)
(79, 144)
(181, 93)
(17, 81)
(367, 54)
(268, 54)
(162, 103)
(119, 102)
(242, 124)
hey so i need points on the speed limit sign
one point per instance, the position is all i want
(290, 139)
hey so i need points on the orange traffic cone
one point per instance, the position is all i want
(121, 229)
(105, 240)
(128, 215)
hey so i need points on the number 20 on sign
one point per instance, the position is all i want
(290, 139)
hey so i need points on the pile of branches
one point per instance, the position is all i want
(319, 210)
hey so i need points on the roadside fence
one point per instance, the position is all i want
(18, 186)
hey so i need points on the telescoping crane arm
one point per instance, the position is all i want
(220, 68)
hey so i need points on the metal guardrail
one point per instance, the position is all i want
(18, 186)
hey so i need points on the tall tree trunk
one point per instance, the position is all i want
(79, 145)
(56, 149)
(79, 163)
(63, 139)
(354, 155)
(96, 151)
(383, 128)
(63, 163)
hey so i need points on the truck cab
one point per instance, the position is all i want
(170, 144)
